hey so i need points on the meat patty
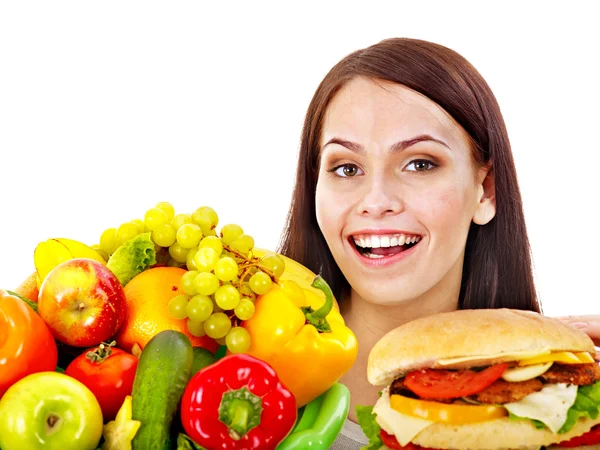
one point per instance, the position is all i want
(501, 391)
(579, 374)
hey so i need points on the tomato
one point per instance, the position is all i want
(109, 373)
(438, 384)
(590, 438)
(389, 440)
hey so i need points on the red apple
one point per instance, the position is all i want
(82, 302)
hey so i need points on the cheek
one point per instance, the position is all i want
(328, 211)
(445, 209)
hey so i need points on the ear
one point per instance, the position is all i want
(486, 208)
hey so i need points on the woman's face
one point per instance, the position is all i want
(397, 191)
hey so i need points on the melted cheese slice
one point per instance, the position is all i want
(404, 427)
(549, 406)
(524, 358)
(561, 357)
(516, 356)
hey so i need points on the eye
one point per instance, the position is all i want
(420, 165)
(346, 170)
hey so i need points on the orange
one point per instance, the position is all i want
(148, 295)
(29, 288)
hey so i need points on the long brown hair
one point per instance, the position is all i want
(497, 270)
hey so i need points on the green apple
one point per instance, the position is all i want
(50, 411)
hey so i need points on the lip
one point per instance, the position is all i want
(387, 260)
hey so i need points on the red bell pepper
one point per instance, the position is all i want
(237, 403)
(26, 343)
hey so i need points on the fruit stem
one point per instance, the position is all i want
(101, 353)
(52, 419)
(240, 410)
(318, 318)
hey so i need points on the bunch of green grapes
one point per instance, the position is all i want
(223, 278)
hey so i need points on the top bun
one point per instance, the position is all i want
(480, 333)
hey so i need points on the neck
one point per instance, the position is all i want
(370, 322)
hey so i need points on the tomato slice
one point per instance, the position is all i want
(441, 384)
(590, 438)
(389, 440)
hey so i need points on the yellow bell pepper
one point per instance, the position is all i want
(302, 337)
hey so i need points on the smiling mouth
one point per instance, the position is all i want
(383, 245)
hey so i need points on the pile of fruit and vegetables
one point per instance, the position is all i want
(171, 333)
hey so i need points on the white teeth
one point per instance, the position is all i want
(373, 256)
(375, 242)
(384, 240)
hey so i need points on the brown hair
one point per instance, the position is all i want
(497, 270)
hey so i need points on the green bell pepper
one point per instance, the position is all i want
(320, 421)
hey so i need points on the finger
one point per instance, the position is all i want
(591, 328)
(568, 319)
(579, 318)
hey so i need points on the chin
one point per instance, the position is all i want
(385, 294)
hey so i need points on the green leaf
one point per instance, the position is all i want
(184, 442)
(587, 404)
(132, 258)
(366, 420)
(538, 424)
(31, 304)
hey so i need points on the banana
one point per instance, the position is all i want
(49, 254)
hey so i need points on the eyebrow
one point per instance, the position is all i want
(397, 147)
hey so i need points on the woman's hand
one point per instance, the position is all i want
(589, 324)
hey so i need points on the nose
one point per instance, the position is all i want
(380, 198)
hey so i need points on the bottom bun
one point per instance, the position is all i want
(498, 434)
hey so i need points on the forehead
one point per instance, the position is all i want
(386, 111)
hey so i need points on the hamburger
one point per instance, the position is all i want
(488, 379)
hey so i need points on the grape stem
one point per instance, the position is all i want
(248, 263)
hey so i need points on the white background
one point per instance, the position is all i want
(109, 107)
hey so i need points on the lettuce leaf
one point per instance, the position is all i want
(587, 404)
(366, 420)
(539, 425)
(132, 258)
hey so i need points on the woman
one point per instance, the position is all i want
(406, 197)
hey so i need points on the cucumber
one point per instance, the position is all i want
(164, 370)
(202, 358)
